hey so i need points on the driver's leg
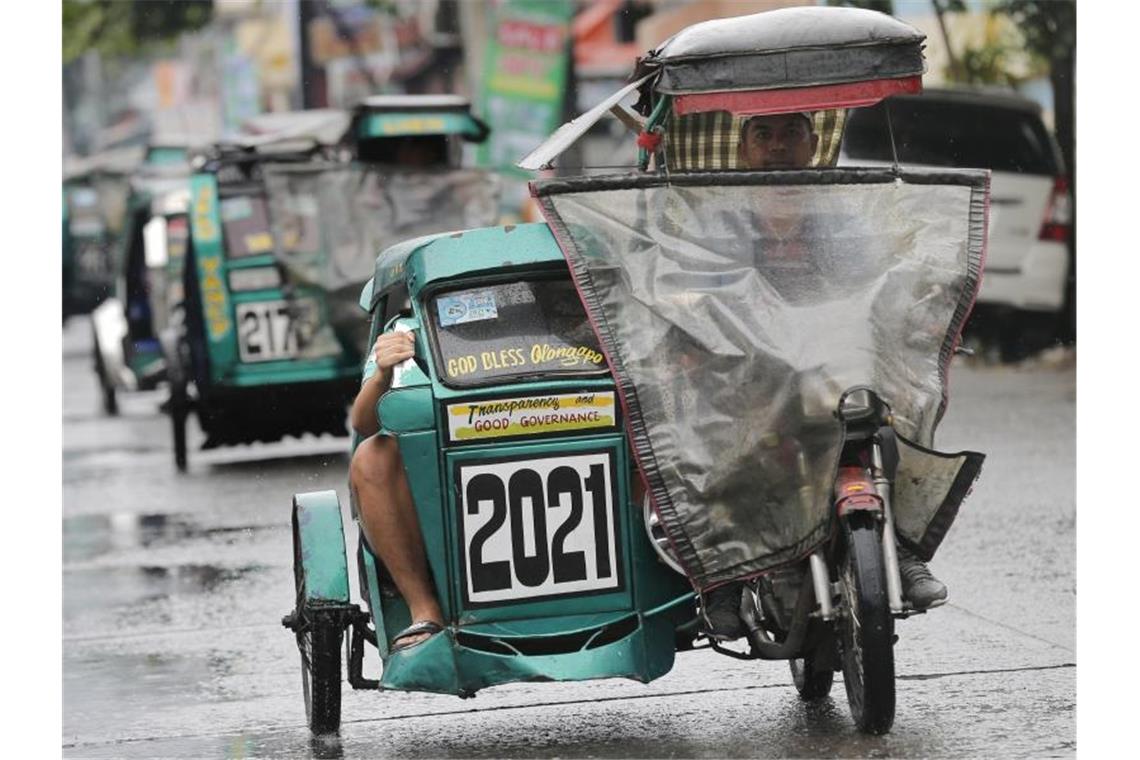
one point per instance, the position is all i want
(919, 586)
(391, 526)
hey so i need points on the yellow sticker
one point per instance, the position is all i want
(259, 242)
(531, 415)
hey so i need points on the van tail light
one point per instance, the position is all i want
(1059, 214)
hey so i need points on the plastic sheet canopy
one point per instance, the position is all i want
(735, 308)
(330, 222)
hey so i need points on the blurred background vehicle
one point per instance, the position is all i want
(127, 353)
(211, 69)
(95, 190)
(1027, 262)
(284, 225)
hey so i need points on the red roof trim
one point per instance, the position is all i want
(850, 95)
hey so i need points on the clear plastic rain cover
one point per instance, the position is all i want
(330, 222)
(735, 308)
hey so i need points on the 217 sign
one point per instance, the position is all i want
(538, 527)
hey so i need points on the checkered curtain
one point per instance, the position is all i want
(708, 141)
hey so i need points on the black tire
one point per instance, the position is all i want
(319, 640)
(107, 396)
(110, 399)
(320, 645)
(812, 682)
(866, 632)
(179, 411)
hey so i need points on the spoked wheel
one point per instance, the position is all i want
(320, 645)
(319, 639)
(811, 680)
(867, 628)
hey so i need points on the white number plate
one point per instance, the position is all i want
(270, 330)
(538, 528)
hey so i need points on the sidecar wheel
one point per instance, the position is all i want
(320, 645)
(319, 639)
(179, 411)
(811, 681)
(867, 628)
(107, 394)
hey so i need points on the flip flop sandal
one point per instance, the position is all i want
(430, 627)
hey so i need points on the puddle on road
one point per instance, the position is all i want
(86, 537)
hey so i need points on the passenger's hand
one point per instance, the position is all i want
(392, 348)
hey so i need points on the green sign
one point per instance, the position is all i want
(524, 78)
(419, 123)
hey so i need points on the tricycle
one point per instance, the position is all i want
(720, 371)
(95, 190)
(128, 351)
(284, 222)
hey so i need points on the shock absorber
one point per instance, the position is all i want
(890, 553)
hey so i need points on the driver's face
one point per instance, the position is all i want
(782, 141)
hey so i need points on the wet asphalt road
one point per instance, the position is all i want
(174, 587)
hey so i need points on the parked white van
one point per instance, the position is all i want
(1027, 262)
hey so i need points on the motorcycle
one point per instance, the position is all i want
(690, 376)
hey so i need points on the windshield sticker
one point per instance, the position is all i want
(538, 356)
(472, 306)
(532, 415)
(259, 242)
(566, 356)
(236, 209)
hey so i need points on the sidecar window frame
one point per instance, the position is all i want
(427, 298)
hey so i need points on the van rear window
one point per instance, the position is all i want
(516, 329)
(958, 134)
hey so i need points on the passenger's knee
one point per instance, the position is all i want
(376, 461)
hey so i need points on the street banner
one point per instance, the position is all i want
(524, 78)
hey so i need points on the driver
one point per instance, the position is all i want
(788, 141)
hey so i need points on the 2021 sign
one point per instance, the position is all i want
(541, 527)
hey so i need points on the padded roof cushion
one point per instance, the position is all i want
(789, 47)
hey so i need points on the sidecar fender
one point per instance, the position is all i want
(318, 538)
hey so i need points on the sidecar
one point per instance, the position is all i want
(644, 334)
(94, 200)
(252, 343)
(512, 433)
(284, 225)
(129, 354)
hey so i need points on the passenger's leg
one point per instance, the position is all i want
(391, 526)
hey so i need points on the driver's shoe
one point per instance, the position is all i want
(722, 612)
(919, 586)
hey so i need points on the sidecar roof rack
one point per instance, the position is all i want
(382, 116)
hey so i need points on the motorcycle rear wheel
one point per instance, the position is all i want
(867, 629)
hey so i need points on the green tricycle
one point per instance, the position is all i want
(695, 376)
(271, 343)
(127, 325)
(95, 190)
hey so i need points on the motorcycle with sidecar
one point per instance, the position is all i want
(691, 375)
